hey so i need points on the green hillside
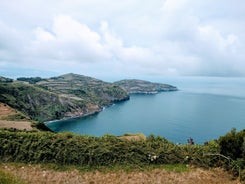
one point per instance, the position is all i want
(135, 86)
(84, 88)
(40, 105)
(59, 97)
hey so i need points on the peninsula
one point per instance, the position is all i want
(135, 86)
(70, 95)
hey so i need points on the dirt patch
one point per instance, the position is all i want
(133, 137)
(6, 111)
(20, 125)
(38, 175)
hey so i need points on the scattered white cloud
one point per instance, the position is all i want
(215, 40)
(131, 37)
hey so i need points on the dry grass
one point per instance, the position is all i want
(20, 125)
(133, 137)
(6, 111)
(39, 175)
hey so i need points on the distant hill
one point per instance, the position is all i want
(69, 95)
(59, 97)
(85, 89)
(134, 86)
(4, 79)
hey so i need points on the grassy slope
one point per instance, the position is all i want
(9, 114)
(141, 86)
(63, 96)
(88, 89)
(10, 118)
(38, 104)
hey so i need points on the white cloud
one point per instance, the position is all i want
(67, 28)
(115, 44)
(69, 40)
(173, 37)
(170, 7)
(43, 36)
(215, 39)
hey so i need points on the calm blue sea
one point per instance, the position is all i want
(204, 108)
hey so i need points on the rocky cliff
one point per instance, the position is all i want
(59, 97)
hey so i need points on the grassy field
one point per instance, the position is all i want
(10, 118)
(26, 173)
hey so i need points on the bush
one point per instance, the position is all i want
(232, 144)
(68, 148)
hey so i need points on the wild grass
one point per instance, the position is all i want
(43, 174)
(109, 152)
(16, 117)
(7, 178)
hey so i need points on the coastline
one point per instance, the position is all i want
(87, 114)
(103, 107)
(73, 117)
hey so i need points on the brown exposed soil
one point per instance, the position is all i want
(131, 138)
(134, 137)
(6, 111)
(38, 175)
(20, 125)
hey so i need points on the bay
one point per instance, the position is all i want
(204, 108)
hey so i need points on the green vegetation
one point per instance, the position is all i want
(5, 80)
(38, 104)
(55, 98)
(134, 86)
(84, 88)
(16, 117)
(73, 95)
(31, 80)
(232, 145)
(67, 148)
(111, 151)
(6, 178)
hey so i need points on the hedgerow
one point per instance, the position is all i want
(67, 148)
(108, 150)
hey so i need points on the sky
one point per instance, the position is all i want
(122, 39)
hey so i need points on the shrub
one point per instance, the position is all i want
(232, 144)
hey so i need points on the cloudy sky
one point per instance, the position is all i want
(129, 38)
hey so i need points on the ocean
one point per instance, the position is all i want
(204, 108)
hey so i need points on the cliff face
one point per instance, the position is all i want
(60, 97)
(69, 95)
(134, 86)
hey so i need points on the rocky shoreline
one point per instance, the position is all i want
(86, 114)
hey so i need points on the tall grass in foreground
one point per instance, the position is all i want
(6, 178)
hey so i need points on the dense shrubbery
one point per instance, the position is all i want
(5, 80)
(31, 80)
(232, 145)
(67, 148)
(108, 150)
